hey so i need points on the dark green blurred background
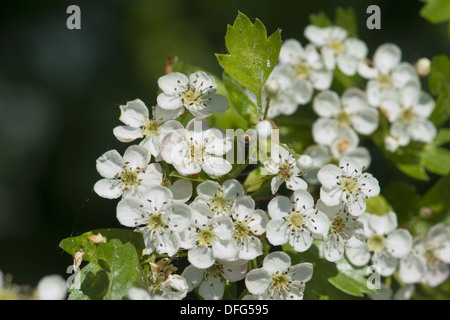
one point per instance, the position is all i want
(60, 90)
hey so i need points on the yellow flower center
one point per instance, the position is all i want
(302, 70)
(280, 281)
(151, 128)
(384, 80)
(206, 238)
(156, 222)
(349, 185)
(241, 230)
(337, 46)
(344, 119)
(129, 177)
(407, 115)
(295, 219)
(376, 243)
(191, 97)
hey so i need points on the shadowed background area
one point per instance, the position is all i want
(60, 91)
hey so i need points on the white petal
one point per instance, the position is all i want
(384, 224)
(302, 94)
(108, 188)
(217, 104)
(404, 73)
(258, 281)
(193, 276)
(321, 79)
(296, 183)
(136, 157)
(318, 222)
(127, 133)
(170, 102)
(425, 105)
(182, 190)
(169, 82)
(385, 263)
(333, 250)
(365, 121)
(316, 35)
(129, 212)
(348, 64)
(250, 249)
(404, 293)
(325, 130)
(300, 241)
(134, 113)
(276, 261)
(277, 232)
(291, 52)
(410, 93)
(201, 257)
(422, 130)
(356, 251)
(399, 243)
(328, 58)
(279, 207)
(327, 104)
(302, 271)
(302, 200)
(329, 175)
(232, 188)
(387, 57)
(356, 47)
(180, 217)
(109, 164)
(234, 270)
(208, 188)
(164, 115)
(331, 197)
(275, 184)
(138, 294)
(168, 243)
(412, 268)
(216, 166)
(212, 288)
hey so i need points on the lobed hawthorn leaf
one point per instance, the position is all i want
(436, 11)
(81, 242)
(252, 55)
(113, 270)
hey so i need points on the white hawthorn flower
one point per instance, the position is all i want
(159, 220)
(209, 238)
(197, 148)
(280, 89)
(249, 225)
(346, 144)
(343, 226)
(307, 68)
(347, 184)
(434, 247)
(409, 115)
(195, 93)
(211, 281)
(126, 175)
(413, 267)
(138, 124)
(52, 287)
(277, 279)
(336, 48)
(387, 74)
(349, 111)
(295, 220)
(384, 244)
(219, 198)
(283, 165)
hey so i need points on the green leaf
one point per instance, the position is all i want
(113, 270)
(350, 280)
(82, 242)
(378, 205)
(346, 18)
(437, 199)
(442, 137)
(252, 55)
(439, 84)
(436, 11)
(241, 102)
(436, 160)
(320, 19)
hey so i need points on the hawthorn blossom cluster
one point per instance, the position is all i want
(179, 191)
(392, 90)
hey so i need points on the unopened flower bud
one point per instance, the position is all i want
(423, 67)
(264, 129)
(272, 87)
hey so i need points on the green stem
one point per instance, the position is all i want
(266, 111)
